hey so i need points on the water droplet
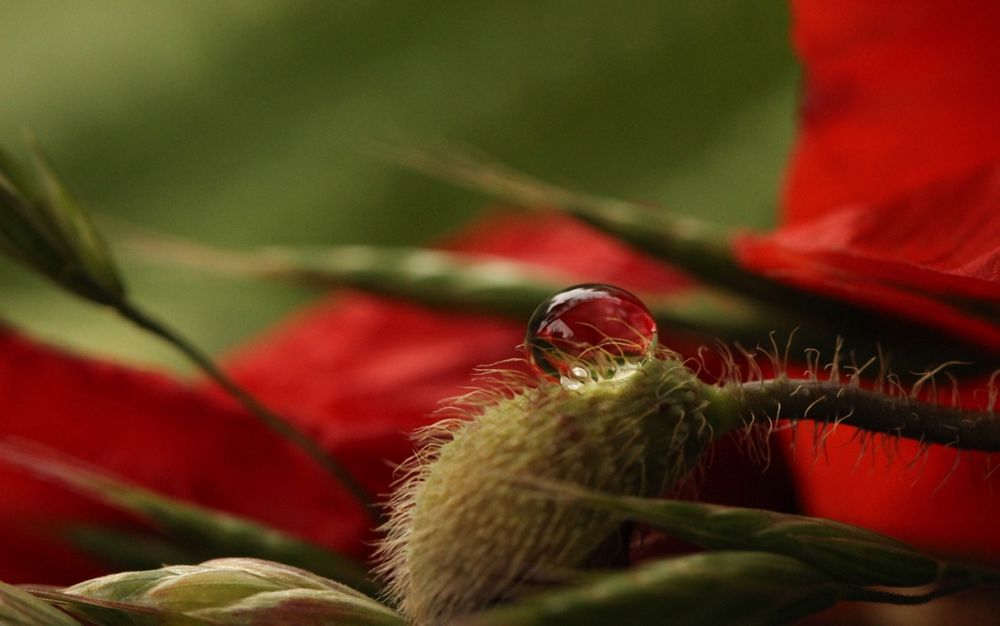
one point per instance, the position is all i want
(588, 333)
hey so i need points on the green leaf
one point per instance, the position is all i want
(840, 551)
(746, 588)
(190, 531)
(19, 608)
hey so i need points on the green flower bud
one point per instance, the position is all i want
(465, 532)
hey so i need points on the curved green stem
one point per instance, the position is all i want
(276, 423)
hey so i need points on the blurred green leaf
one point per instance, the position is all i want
(703, 249)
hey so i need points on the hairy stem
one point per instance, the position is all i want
(275, 422)
(833, 403)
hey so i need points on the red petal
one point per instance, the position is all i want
(916, 257)
(898, 95)
(938, 498)
(893, 202)
(151, 430)
(893, 199)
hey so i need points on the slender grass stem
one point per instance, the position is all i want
(703, 249)
(272, 420)
(456, 281)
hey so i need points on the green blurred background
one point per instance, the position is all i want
(245, 122)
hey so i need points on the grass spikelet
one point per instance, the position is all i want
(233, 591)
(464, 534)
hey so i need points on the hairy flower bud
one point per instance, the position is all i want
(465, 532)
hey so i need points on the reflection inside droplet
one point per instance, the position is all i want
(589, 333)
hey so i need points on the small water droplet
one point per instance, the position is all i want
(588, 333)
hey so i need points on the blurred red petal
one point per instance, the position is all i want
(893, 199)
(936, 497)
(943, 239)
(922, 257)
(359, 366)
(154, 431)
(893, 202)
(898, 95)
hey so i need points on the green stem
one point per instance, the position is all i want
(829, 402)
(276, 423)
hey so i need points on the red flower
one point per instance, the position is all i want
(894, 186)
(898, 95)
(893, 202)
